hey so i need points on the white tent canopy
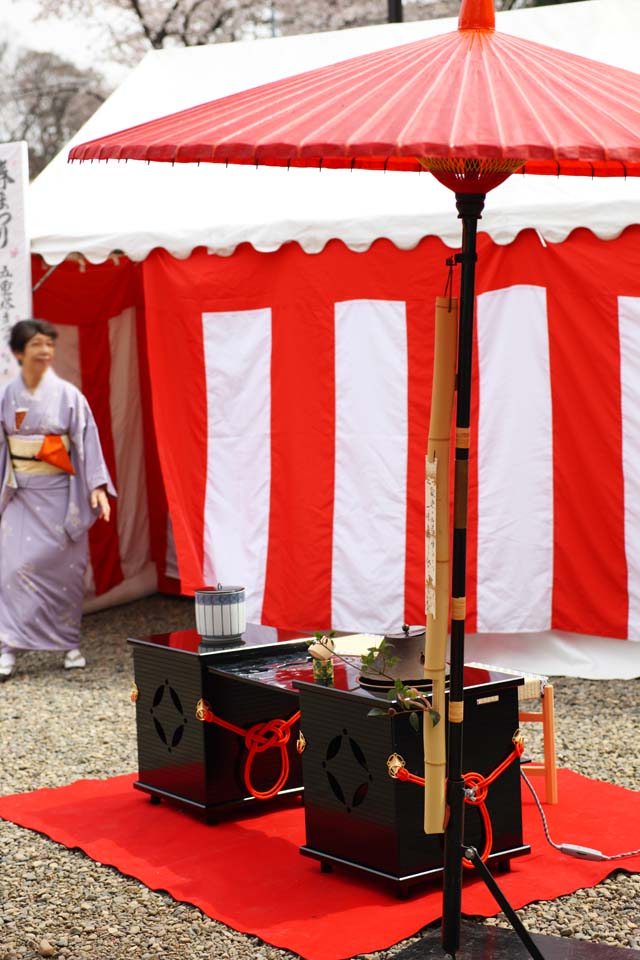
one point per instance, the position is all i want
(94, 209)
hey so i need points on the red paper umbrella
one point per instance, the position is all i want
(472, 107)
(466, 95)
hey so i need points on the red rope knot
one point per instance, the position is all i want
(476, 788)
(261, 736)
(257, 739)
(272, 733)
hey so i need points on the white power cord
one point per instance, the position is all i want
(572, 849)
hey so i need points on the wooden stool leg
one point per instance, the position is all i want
(549, 738)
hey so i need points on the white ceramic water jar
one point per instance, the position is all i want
(220, 612)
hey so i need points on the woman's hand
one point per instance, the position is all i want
(100, 501)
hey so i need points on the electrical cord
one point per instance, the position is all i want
(572, 849)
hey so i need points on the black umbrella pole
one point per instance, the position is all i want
(469, 210)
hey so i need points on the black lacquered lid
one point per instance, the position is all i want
(406, 633)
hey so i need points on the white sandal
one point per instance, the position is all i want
(74, 660)
(7, 666)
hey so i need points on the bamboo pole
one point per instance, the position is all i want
(438, 561)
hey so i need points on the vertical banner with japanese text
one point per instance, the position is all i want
(15, 263)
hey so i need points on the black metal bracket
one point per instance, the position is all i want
(466, 257)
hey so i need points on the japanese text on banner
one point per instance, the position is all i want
(15, 265)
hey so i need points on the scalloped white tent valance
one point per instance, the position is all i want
(94, 209)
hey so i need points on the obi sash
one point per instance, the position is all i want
(41, 456)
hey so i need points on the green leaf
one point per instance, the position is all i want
(398, 685)
(413, 720)
(378, 712)
(435, 717)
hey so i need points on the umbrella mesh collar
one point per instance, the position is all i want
(470, 174)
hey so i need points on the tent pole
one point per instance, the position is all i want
(395, 11)
(470, 208)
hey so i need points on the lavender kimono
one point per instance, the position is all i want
(44, 519)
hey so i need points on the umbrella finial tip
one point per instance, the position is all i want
(477, 15)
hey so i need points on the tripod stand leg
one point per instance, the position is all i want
(472, 854)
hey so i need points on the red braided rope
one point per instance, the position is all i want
(404, 775)
(480, 786)
(257, 739)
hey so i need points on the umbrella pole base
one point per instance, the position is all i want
(479, 942)
(526, 939)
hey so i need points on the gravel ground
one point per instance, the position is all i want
(58, 902)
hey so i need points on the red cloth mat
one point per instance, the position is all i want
(249, 874)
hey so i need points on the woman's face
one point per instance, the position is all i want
(37, 354)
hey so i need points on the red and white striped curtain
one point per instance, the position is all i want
(291, 399)
(287, 398)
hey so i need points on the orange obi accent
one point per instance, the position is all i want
(53, 451)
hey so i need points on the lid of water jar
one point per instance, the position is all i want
(220, 589)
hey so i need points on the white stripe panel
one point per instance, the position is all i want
(629, 326)
(67, 365)
(128, 439)
(170, 556)
(369, 524)
(237, 352)
(67, 356)
(515, 468)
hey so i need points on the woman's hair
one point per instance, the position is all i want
(24, 330)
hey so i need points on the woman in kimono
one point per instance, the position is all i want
(53, 486)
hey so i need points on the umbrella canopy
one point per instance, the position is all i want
(472, 94)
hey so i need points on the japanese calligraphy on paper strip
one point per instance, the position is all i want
(15, 264)
(430, 535)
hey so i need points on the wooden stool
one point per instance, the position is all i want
(537, 687)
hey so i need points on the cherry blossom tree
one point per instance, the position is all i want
(44, 99)
(133, 26)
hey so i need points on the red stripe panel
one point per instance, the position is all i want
(80, 296)
(95, 367)
(156, 497)
(420, 347)
(472, 512)
(179, 396)
(590, 571)
(298, 576)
